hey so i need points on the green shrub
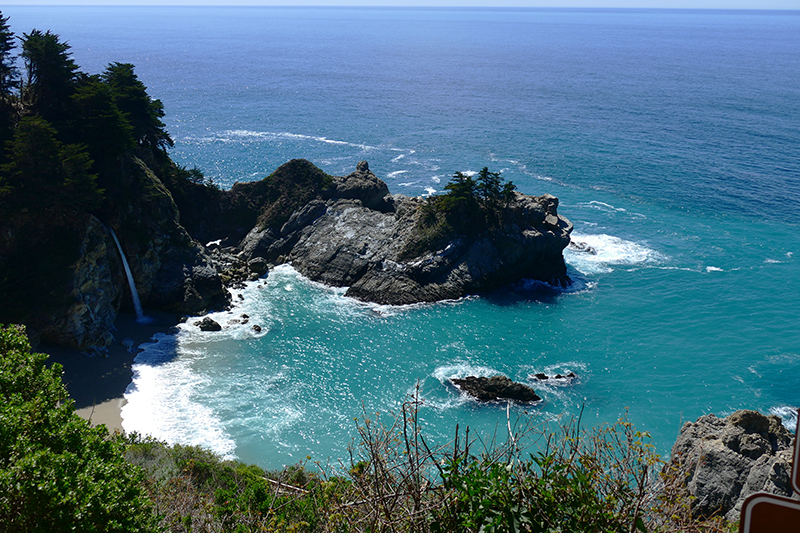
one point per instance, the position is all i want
(56, 472)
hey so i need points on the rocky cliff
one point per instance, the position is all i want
(61, 273)
(356, 234)
(342, 231)
(725, 460)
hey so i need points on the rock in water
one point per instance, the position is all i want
(208, 324)
(496, 388)
(726, 460)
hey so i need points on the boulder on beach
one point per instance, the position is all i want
(496, 388)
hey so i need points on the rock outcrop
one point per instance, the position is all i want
(725, 460)
(496, 388)
(61, 273)
(172, 271)
(357, 235)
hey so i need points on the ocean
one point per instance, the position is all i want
(672, 139)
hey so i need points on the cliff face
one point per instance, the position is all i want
(172, 271)
(61, 273)
(725, 460)
(61, 276)
(357, 235)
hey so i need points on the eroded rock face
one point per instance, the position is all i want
(172, 271)
(496, 388)
(726, 460)
(93, 293)
(355, 237)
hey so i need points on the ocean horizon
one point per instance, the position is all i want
(670, 137)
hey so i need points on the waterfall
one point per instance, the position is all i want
(137, 305)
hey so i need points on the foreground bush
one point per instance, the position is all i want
(56, 472)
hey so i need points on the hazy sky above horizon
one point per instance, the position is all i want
(681, 4)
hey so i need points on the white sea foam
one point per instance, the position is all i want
(713, 269)
(160, 399)
(461, 370)
(230, 136)
(787, 414)
(608, 208)
(448, 396)
(601, 252)
(396, 173)
(436, 179)
(429, 191)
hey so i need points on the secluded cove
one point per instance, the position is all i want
(675, 159)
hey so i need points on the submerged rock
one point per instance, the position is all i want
(725, 460)
(496, 388)
(565, 378)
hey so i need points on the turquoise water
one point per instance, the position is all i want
(672, 139)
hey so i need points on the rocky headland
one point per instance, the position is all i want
(339, 230)
(356, 234)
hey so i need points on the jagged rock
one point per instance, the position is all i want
(366, 250)
(496, 388)
(208, 324)
(726, 460)
(256, 328)
(258, 266)
(364, 186)
(582, 247)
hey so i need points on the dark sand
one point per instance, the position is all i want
(98, 383)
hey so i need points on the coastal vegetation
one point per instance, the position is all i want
(67, 138)
(59, 474)
(470, 206)
(56, 472)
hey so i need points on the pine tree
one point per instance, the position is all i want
(50, 76)
(144, 113)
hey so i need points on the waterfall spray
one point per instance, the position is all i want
(137, 304)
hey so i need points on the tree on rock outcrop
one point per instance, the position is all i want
(143, 113)
(468, 207)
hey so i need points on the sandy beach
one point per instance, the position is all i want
(97, 384)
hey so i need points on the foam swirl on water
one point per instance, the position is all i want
(601, 252)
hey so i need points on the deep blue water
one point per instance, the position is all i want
(672, 139)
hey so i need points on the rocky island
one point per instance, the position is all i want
(356, 234)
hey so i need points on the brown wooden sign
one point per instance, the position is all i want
(796, 458)
(767, 513)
